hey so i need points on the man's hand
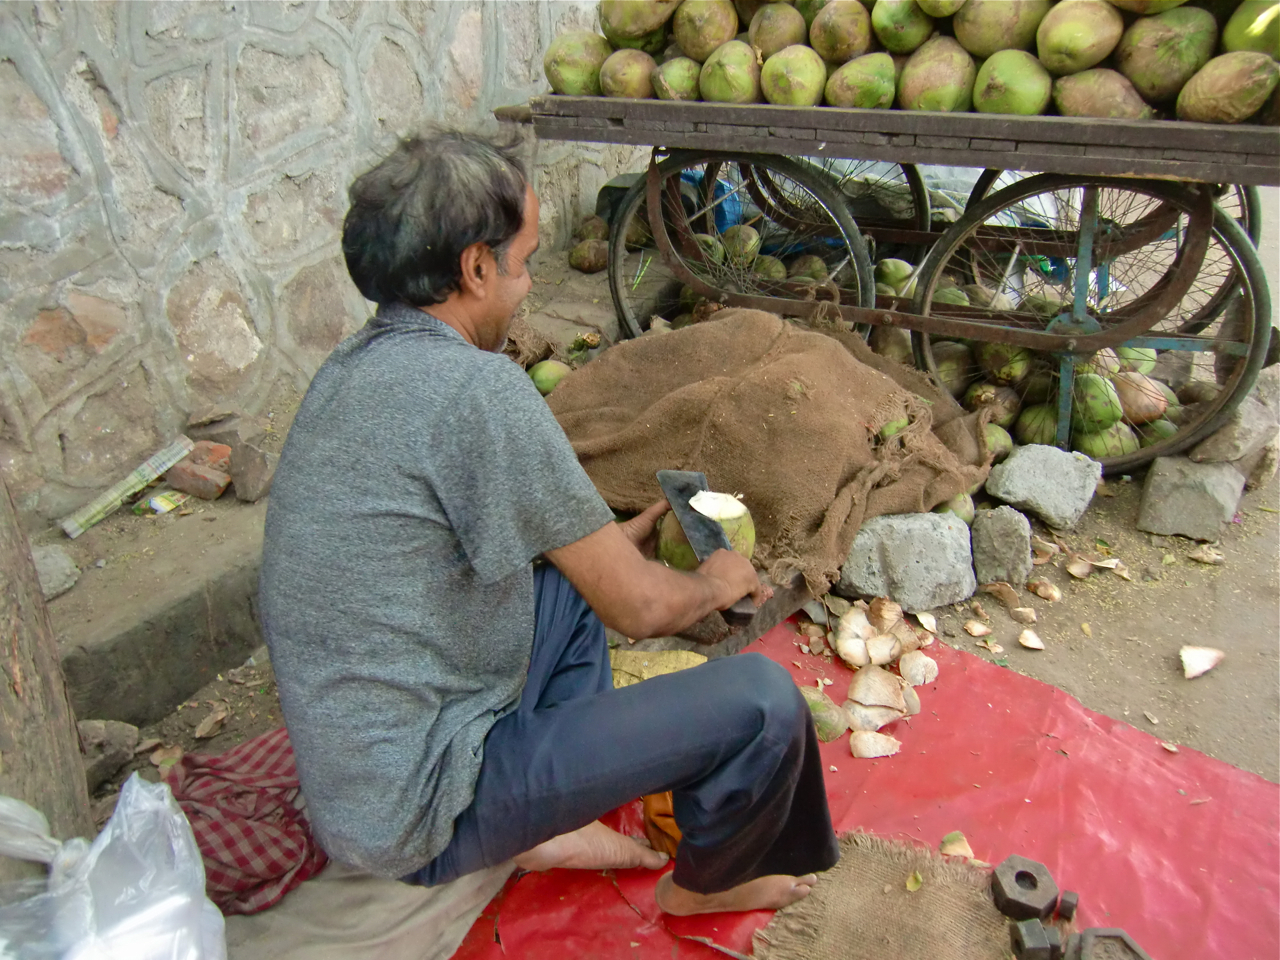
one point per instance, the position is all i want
(736, 577)
(642, 529)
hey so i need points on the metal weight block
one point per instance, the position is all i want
(1030, 940)
(1054, 936)
(1071, 949)
(1023, 889)
(1067, 904)
(1106, 943)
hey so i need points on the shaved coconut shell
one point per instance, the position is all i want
(918, 668)
(928, 621)
(1044, 590)
(1199, 660)
(1079, 567)
(1002, 592)
(862, 717)
(954, 844)
(1023, 614)
(718, 506)
(866, 745)
(876, 687)
(926, 638)
(910, 697)
(883, 613)
(852, 632)
(907, 636)
(853, 651)
(1030, 640)
(855, 623)
(829, 720)
(884, 649)
(975, 628)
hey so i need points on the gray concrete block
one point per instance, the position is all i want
(1194, 500)
(1001, 546)
(1055, 485)
(920, 560)
(1247, 431)
(56, 570)
(108, 745)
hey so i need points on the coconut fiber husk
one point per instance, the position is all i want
(527, 345)
(861, 909)
(786, 416)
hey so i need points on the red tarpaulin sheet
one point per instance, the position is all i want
(1180, 850)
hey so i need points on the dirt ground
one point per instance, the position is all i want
(1110, 642)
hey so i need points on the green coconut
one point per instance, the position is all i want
(590, 256)
(961, 505)
(809, 9)
(939, 76)
(841, 31)
(1042, 306)
(808, 266)
(940, 8)
(572, 63)
(731, 73)
(884, 290)
(1038, 387)
(651, 43)
(626, 75)
(954, 363)
(1012, 81)
(638, 235)
(830, 721)
(983, 296)
(547, 374)
(1255, 26)
(1117, 440)
(711, 246)
(1146, 8)
(1003, 401)
(1099, 93)
(894, 427)
(999, 443)
(769, 268)
(1004, 363)
(950, 295)
(775, 27)
(1140, 399)
(1037, 424)
(892, 343)
(1139, 359)
(866, 82)
(1104, 361)
(984, 27)
(701, 26)
(900, 25)
(676, 79)
(1229, 88)
(593, 228)
(1156, 431)
(730, 512)
(1174, 406)
(1159, 54)
(622, 20)
(741, 243)
(1077, 34)
(1096, 405)
(893, 272)
(793, 77)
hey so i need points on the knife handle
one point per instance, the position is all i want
(741, 613)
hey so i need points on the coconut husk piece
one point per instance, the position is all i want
(876, 687)
(862, 909)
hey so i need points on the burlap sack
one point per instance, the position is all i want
(787, 417)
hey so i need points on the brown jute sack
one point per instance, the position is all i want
(785, 416)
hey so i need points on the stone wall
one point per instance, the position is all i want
(172, 186)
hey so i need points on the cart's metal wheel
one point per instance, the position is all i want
(1082, 254)
(889, 202)
(706, 194)
(1216, 285)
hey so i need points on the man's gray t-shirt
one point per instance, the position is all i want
(420, 479)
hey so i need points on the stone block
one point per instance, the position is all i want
(279, 96)
(233, 430)
(1194, 500)
(1001, 546)
(1260, 467)
(208, 454)
(197, 480)
(32, 168)
(1055, 485)
(1249, 428)
(107, 745)
(55, 569)
(920, 560)
(252, 470)
(211, 320)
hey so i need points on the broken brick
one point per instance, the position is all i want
(252, 470)
(197, 479)
(209, 454)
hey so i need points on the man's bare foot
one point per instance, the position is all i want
(594, 847)
(764, 893)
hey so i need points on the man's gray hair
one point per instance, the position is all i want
(413, 214)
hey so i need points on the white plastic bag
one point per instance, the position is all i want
(135, 893)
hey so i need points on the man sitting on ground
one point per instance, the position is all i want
(449, 699)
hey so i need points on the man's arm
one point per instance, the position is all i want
(643, 598)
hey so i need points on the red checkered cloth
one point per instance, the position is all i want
(249, 819)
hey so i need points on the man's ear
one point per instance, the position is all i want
(477, 265)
